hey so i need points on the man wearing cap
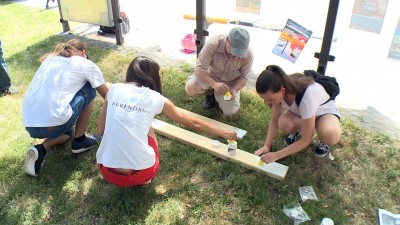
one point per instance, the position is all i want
(223, 65)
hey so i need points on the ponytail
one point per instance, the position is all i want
(274, 78)
(67, 49)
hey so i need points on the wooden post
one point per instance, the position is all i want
(117, 22)
(64, 23)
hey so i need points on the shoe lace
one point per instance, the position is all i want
(292, 137)
(323, 147)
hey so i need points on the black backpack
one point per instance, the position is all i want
(329, 83)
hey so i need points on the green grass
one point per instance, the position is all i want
(192, 187)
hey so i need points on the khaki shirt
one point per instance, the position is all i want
(214, 59)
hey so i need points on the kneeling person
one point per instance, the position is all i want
(60, 97)
(223, 65)
(128, 153)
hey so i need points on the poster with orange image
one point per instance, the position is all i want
(292, 40)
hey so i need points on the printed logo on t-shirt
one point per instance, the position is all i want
(131, 108)
(133, 100)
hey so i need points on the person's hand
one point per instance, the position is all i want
(270, 157)
(220, 88)
(261, 151)
(230, 135)
(233, 94)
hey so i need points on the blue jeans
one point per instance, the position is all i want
(5, 81)
(81, 99)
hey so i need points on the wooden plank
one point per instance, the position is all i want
(246, 159)
(240, 133)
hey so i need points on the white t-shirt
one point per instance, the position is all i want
(130, 112)
(58, 79)
(313, 103)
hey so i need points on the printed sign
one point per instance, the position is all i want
(292, 41)
(394, 51)
(248, 6)
(368, 15)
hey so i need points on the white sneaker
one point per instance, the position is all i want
(33, 160)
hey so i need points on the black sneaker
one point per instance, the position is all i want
(209, 102)
(321, 150)
(34, 159)
(8, 91)
(88, 143)
(291, 138)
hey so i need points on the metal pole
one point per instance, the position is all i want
(324, 56)
(200, 24)
(117, 22)
(64, 23)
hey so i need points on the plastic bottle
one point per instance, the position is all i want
(227, 96)
(327, 221)
(232, 146)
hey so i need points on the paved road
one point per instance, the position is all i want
(158, 26)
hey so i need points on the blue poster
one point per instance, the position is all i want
(394, 51)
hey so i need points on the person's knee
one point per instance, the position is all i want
(287, 126)
(189, 89)
(192, 88)
(329, 135)
(230, 112)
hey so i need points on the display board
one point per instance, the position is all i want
(97, 12)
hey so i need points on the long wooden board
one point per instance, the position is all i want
(248, 160)
(240, 133)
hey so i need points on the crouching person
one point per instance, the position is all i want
(60, 97)
(128, 153)
(316, 111)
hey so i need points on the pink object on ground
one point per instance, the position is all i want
(189, 43)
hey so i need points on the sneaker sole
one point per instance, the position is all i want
(81, 150)
(31, 156)
(321, 156)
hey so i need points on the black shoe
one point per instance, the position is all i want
(88, 143)
(321, 150)
(209, 102)
(34, 159)
(291, 138)
(8, 91)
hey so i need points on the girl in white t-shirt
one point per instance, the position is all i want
(315, 110)
(128, 153)
(59, 99)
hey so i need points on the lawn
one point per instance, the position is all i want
(192, 187)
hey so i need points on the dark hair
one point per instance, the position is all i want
(145, 72)
(67, 49)
(274, 78)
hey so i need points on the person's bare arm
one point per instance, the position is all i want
(239, 84)
(101, 124)
(102, 89)
(205, 77)
(272, 129)
(307, 129)
(178, 116)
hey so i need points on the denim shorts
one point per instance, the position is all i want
(81, 99)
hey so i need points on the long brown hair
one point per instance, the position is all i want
(67, 49)
(274, 78)
(145, 72)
